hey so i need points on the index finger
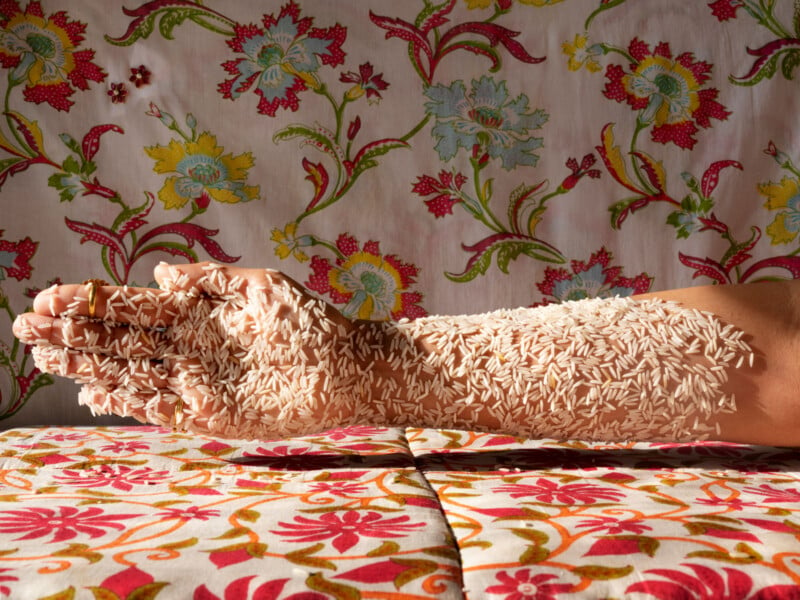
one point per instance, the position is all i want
(145, 307)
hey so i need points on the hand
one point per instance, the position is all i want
(223, 350)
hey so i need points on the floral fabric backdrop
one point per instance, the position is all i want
(399, 158)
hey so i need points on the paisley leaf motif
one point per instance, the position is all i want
(508, 247)
(171, 14)
(766, 64)
(704, 267)
(91, 141)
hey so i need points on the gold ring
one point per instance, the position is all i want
(177, 416)
(93, 285)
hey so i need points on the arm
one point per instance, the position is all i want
(603, 369)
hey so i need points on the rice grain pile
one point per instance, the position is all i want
(270, 361)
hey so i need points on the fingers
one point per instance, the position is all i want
(155, 406)
(146, 307)
(97, 369)
(125, 342)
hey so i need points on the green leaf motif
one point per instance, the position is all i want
(601, 573)
(790, 61)
(506, 247)
(745, 555)
(304, 557)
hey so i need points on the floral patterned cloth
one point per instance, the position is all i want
(141, 512)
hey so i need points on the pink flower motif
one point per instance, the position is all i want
(120, 447)
(65, 437)
(772, 494)
(447, 190)
(346, 529)
(731, 503)
(121, 477)
(118, 93)
(550, 492)
(124, 585)
(708, 584)
(139, 76)
(65, 523)
(4, 589)
(365, 82)
(523, 586)
(353, 431)
(286, 458)
(186, 514)
(667, 91)
(725, 9)
(579, 170)
(338, 488)
(614, 526)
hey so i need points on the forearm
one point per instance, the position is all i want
(595, 369)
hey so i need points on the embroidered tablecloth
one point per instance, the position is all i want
(141, 512)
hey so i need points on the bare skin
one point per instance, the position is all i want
(144, 332)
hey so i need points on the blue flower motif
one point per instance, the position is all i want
(486, 117)
(281, 58)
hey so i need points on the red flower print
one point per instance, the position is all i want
(15, 258)
(550, 492)
(594, 278)
(772, 494)
(579, 170)
(612, 526)
(524, 586)
(32, 292)
(120, 447)
(709, 584)
(338, 488)
(281, 58)
(667, 91)
(192, 512)
(346, 529)
(129, 583)
(120, 477)
(65, 522)
(725, 9)
(369, 284)
(42, 52)
(365, 82)
(4, 589)
(118, 93)
(447, 190)
(286, 458)
(139, 76)
(353, 431)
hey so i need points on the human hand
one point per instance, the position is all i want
(223, 350)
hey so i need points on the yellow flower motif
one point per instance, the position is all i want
(202, 173)
(671, 88)
(580, 55)
(786, 194)
(288, 243)
(374, 283)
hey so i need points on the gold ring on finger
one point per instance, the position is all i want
(93, 285)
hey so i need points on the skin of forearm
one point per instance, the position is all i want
(599, 369)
